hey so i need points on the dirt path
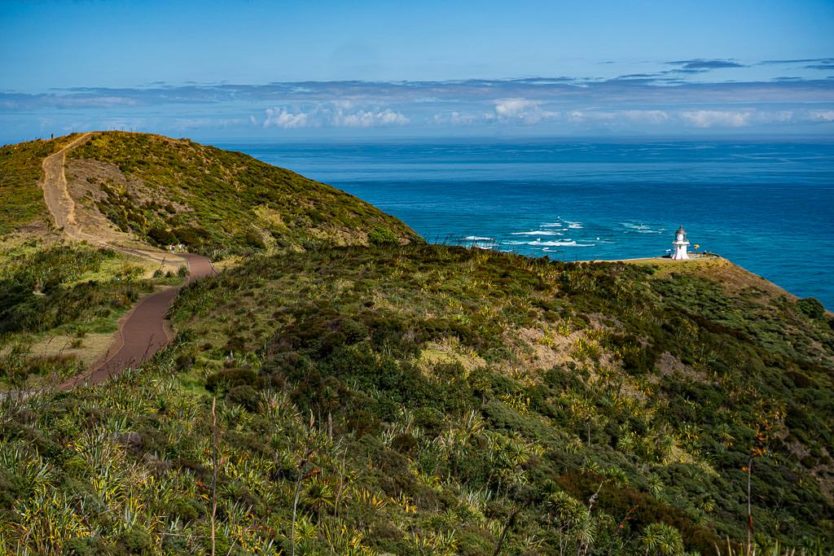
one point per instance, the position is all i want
(62, 207)
(142, 332)
(55, 191)
(145, 329)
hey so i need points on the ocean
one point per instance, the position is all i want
(767, 206)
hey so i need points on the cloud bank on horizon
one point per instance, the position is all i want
(676, 100)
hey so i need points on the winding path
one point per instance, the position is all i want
(142, 332)
(145, 329)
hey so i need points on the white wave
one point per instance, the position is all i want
(570, 243)
(538, 233)
(575, 226)
(478, 238)
(640, 228)
(552, 225)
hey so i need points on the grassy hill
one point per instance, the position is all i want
(216, 202)
(60, 300)
(431, 400)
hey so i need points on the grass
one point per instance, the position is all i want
(378, 395)
(20, 174)
(57, 300)
(433, 400)
(59, 305)
(20, 171)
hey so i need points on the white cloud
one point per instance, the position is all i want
(521, 110)
(717, 118)
(368, 118)
(514, 107)
(583, 116)
(822, 115)
(457, 118)
(614, 117)
(336, 113)
(281, 117)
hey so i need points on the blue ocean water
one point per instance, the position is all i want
(766, 206)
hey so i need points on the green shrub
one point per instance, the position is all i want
(162, 236)
(382, 236)
(244, 395)
(227, 379)
(811, 308)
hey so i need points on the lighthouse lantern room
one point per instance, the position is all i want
(680, 244)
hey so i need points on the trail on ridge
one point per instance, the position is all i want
(73, 223)
(144, 330)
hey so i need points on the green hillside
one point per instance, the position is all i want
(21, 199)
(217, 202)
(60, 300)
(431, 400)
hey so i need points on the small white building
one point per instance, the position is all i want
(679, 245)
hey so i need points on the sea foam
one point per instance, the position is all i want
(538, 233)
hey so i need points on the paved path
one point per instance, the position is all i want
(142, 332)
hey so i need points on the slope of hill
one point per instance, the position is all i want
(215, 202)
(21, 200)
(431, 400)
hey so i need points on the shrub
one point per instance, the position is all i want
(230, 378)
(192, 236)
(161, 236)
(383, 236)
(811, 308)
(244, 395)
(253, 238)
(405, 444)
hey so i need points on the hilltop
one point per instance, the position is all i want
(167, 191)
(375, 394)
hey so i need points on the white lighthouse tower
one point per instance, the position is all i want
(680, 244)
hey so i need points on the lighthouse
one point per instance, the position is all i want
(680, 244)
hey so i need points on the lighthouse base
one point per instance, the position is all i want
(680, 254)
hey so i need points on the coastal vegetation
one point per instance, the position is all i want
(60, 302)
(346, 388)
(425, 399)
(20, 170)
(59, 305)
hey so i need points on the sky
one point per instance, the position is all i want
(282, 69)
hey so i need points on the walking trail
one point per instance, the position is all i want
(144, 330)
(95, 231)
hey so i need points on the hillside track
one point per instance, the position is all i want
(143, 332)
(72, 223)
(55, 192)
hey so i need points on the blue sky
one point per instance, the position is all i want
(287, 70)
